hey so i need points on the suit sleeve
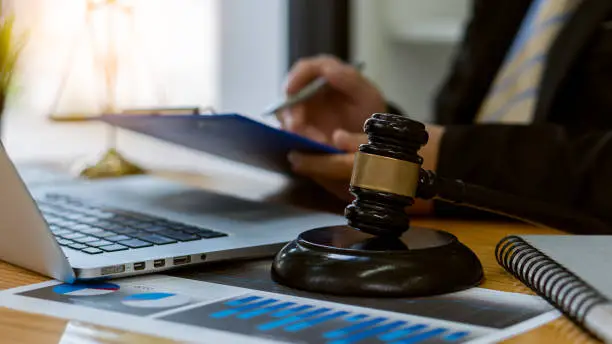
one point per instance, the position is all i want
(542, 162)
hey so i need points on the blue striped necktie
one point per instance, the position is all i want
(513, 94)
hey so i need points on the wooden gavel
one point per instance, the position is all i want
(378, 253)
(387, 177)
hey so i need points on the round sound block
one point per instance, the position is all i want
(343, 261)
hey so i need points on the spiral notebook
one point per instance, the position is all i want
(572, 272)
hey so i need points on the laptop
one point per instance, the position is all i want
(103, 229)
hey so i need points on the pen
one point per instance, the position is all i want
(305, 93)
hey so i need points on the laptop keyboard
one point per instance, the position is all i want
(96, 229)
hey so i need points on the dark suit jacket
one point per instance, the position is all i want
(565, 156)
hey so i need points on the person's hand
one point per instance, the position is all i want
(345, 103)
(333, 171)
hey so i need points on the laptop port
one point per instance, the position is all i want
(115, 269)
(159, 263)
(182, 260)
(139, 266)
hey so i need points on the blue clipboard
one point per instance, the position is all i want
(231, 136)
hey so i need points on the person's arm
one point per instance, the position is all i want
(539, 162)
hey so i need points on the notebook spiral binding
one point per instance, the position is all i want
(549, 279)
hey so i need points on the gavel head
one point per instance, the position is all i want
(342, 260)
(385, 175)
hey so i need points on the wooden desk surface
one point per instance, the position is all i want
(480, 236)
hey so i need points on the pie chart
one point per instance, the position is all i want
(85, 289)
(155, 300)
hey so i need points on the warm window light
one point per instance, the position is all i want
(91, 56)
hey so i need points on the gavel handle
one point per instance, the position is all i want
(527, 210)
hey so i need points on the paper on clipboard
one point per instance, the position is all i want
(230, 136)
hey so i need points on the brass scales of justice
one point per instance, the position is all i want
(106, 63)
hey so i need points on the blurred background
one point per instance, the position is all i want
(85, 57)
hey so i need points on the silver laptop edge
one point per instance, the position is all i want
(27, 241)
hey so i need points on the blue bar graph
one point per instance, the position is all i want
(228, 312)
(347, 330)
(288, 320)
(234, 303)
(294, 320)
(313, 322)
(419, 337)
(356, 317)
(401, 333)
(286, 312)
(260, 311)
(456, 336)
(369, 333)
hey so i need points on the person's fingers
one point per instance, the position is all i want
(340, 76)
(314, 134)
(328, 166)
(348, 80)
(348, 142)
(284, 118)
(308, 69)
(292, 119)
(297, 117)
